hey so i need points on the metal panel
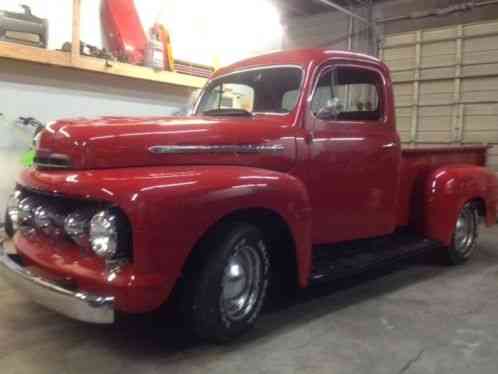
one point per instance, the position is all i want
(439, 92)
(480, 123)
(404, 94)
(493, 157)
(446, 84)
(438, 54)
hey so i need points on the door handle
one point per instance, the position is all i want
(390, 146)
(309, 137)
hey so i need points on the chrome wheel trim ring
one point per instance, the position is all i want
(466, 231)
(242, 282)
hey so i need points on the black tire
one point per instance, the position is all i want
(206, 289)
(465, 237)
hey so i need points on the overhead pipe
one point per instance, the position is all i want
(371, 25)
(346, 11)
(439, 12)
(467, 6)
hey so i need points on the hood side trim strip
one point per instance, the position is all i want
(228, 148)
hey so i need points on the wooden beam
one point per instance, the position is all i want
(32, 54)
(65, 60)
(75, 49)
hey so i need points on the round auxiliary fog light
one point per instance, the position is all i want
(104, 234)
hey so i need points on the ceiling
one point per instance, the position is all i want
(297, 8)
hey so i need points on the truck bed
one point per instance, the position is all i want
(418, 161)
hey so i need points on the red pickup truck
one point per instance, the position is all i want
(289, 171)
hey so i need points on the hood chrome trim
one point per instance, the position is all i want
(226, 148)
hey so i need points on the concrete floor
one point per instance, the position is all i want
(419, 317)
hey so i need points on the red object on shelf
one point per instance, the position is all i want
(123, 30)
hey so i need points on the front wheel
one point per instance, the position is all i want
(228, 293)
(465, 236)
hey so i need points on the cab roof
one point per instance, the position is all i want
(299, 57)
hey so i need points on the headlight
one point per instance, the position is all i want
(47, 220)
(41, 217)
(25, 211)
(77, 225)
(104, 234)
(12, 213)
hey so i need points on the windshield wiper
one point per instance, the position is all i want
(228, 112)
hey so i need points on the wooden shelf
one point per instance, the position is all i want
(67, 60)
(74, 60)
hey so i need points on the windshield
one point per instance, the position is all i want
(265, 90)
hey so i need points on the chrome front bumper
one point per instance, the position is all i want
(77, 305)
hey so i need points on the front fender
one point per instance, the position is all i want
(446, 191)
(180, 206)
(171, 208)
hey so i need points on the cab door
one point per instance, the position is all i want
(354, 155)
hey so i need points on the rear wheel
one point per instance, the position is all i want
(227, 295)
(466, 235)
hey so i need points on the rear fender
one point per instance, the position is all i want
(447, 190)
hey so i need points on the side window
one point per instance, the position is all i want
(348, 94)
(289, 100)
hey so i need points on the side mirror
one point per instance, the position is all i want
(331, 110)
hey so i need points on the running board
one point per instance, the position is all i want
(331, 262)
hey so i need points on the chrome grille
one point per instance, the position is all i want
(52, 162)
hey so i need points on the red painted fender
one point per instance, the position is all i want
(171, 208)
(446, 191)
(180, 207)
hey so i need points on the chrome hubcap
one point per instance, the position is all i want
(241, 285)
(465, 231)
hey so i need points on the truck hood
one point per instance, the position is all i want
(114, 142)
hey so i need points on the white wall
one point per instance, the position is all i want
(48, 94)
(51, 93)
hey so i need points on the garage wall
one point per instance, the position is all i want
(328, 30)
(322, 30)
(392, 16)
(446, 84)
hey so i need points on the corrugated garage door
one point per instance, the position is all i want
(446, 84)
